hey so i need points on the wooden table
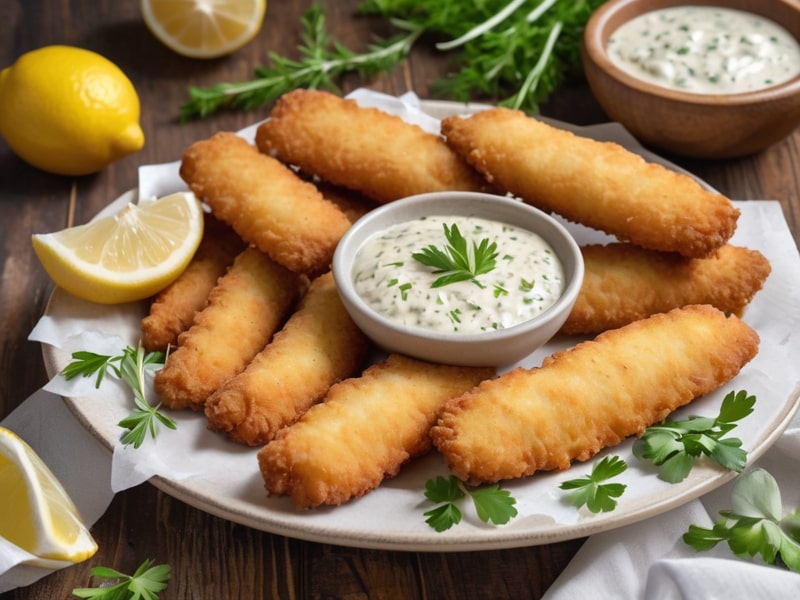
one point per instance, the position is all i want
(211, 557)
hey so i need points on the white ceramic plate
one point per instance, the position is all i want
(223, 478)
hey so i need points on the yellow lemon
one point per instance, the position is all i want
(68, 111)
(36, 513)
(204, 28)
(127, 256)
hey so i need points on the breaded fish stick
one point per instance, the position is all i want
(173, 309)
(624, 282)
(591, 396)
(361, 148)
(363, 432)
(245, 308)
(599, 184)
(319, 346)
(265, 202)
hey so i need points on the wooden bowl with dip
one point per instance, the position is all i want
(684, 99)
(388, 273)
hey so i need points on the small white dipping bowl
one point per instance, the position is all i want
(494, 348)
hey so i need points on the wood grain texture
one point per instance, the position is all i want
(211, 557)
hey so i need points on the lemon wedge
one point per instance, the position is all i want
(36, 514)
(204, 28)
(128, 256)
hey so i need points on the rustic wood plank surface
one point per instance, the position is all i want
(211, 557)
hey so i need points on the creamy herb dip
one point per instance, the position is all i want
(526, 280)
(705, 50)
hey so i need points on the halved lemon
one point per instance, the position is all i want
(128, 256)
(204, 28)
(36, 513)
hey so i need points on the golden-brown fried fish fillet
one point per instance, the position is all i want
(361, 148)
(173, 309)
(265, 202)
(363, 432)
(591, 396)
(245, 308)
(599, 184)
(318, 346)
(624, 282)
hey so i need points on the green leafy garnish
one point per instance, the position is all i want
(146, 583)
(132, 366)
(675, 445)
(515, 51)
(456, 262)
(591, 491)
(755, 525)
(322, 61)
(491, 503)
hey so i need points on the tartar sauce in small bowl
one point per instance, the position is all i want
(704, 79)
(459, 278)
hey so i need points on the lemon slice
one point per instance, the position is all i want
(128, 256)
(36, 513)
(204, 28)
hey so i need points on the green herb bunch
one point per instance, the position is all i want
(515, 52)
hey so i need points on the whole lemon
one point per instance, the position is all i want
(68, 111)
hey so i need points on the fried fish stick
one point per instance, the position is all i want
(599, 184)
(265, 202)
(624, 282)
(245, 308)
(173, 309)
(363, 432)
(361, 148)
(319, 346)
(592, 396)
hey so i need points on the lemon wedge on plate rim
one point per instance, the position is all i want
(204, 28)
(127, 256)
(36, 513)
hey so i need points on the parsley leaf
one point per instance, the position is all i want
(755, 525)
(491, 503)
(146, 583)
(675, 445)
(456, 262)
(591, 491)
(132, 366)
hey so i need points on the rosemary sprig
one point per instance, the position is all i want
(322, 61)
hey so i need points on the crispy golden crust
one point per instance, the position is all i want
(265, 202)
(173, 309)
(624, 282)
(319, 346)
(591, 396)
(363, 432)
(248, 304)
(364, 149)
(599, 184)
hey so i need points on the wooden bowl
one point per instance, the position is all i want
(693, 125)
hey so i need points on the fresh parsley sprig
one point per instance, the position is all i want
(133, 367)
(755, 525)
(675, 445)
(491, 503)
(456, 262)
(145, 584)
(592, 491)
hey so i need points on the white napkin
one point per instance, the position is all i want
(649, 560)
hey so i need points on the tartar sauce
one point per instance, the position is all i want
(705, 50)
(527, 277)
